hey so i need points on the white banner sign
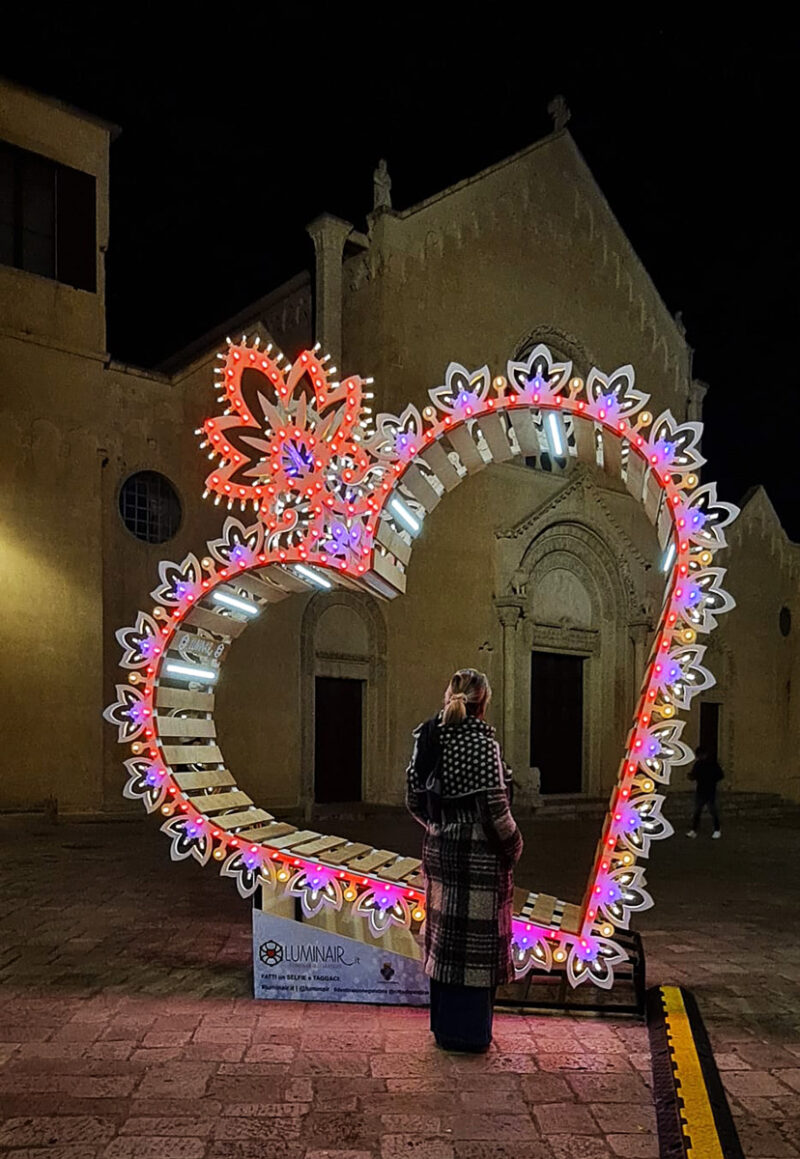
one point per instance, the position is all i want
(300, 962)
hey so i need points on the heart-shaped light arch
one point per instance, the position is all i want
(339, 501)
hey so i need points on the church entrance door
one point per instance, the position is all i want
(557, 721)
(337, 739)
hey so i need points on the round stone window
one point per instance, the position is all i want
(785, 620)
(150, 507)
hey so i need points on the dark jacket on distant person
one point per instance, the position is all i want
(706, 774)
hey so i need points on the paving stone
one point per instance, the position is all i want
(54, 1130)
(271, 1129)
(497, 1127)
(338, 1154)
(790, 1076)
(564, 1119)
(625, 1118)
(413, 1147)
(155, 1147)
(765, 1056)
(411, 1124)
(611, 1088)
(752, 1082)
(527, 1149)
(578, 1147)
(634, 1146)
(765, 1139)
(141, 1125)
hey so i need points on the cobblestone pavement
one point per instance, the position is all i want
(127, 1030)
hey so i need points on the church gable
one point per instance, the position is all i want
(529, 245)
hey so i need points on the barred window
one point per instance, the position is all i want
(150, 507)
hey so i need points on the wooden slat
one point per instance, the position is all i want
(393, 542)
(297, 837)
(415, 482)
(436, 458)
(265, 833)
(388, 571)
(207, 779)
(612, 453)
(220, 802)
(183, 698)
(571, 921)
(520, 898)
(416, 882)
(585, 440)
(192, 754)
(372, 861)
(542, 912)
(346, 854)
(461, 441)
(311, 848)
(401, 868)
(185, 726)
(237, 820)
(653, 495)
(225, 626)
(525, 430)
(260, 587)
(634, 479)
(493, 430)
(288, 580)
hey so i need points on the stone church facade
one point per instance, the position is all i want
(549, 580)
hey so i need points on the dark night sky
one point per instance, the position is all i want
(237, 131)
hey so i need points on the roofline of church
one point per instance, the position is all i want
(487, 172)
(751, 494)
(212, 339)
(110, 127)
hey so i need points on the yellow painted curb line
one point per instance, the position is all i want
(697, 1117)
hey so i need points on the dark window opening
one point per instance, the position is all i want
(47, 218)
(785, 621)
(337, 739)
(557, 721)
(150, 507)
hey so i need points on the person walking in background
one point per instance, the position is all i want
(706, 775)
(459, 789)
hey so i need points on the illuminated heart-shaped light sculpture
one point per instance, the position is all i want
(339, 499)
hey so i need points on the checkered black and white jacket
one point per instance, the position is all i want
(458, 789)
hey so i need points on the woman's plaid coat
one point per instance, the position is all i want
(468, 858)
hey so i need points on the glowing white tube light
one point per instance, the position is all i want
(313, 577)
(409, 520)
(237, 604)
(554, 435)
(190, 671)
(669, 556)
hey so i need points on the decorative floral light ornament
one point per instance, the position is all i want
(340, 503)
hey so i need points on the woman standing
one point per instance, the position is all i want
(459, 790)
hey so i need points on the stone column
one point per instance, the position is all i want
(509, 610)
(639, 635)
(329, 234)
